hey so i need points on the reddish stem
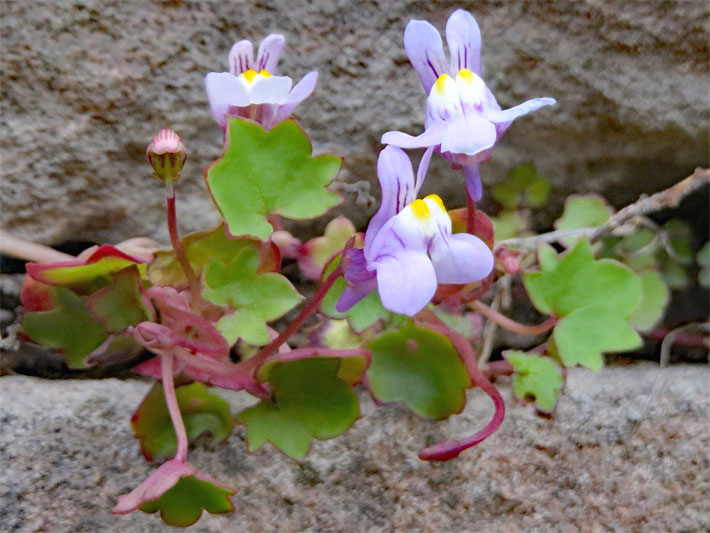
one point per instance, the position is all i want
(689, 340)
(251, 364)
(305, 353)
(497, 368)
(450, 449)
(512, 325)
(470, 214)
(173, 407)
(177, 243)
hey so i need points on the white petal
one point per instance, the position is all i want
(224, 91)
(270, 90)
(460, 258)
(406, 281)
(468, 135)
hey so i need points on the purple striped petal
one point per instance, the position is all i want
(431, 136)
(269, 52)
(241, 57)
(425, 51)
(460, 258)
(394, 170)
(464, 39)
(406, 281)
(224, 91)
(300, 92)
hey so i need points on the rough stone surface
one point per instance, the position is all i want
(86, 84)
(628, 450)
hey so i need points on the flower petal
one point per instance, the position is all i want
(394, 170)
(460, 258)
(464, 39)
(271, 90)
(468, 135)
(431, 136)
(269, 52)
(224, 91)
(406, 281)
(300, 92)
(509, 115)
(422, 170)
(473, 181)
(426, 51)
(241, 57)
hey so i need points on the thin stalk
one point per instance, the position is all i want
(512, 325)
(251, 364)
(470, 214)
(173, 408)
(30, 251)
(177, 243)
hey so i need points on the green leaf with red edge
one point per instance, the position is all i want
(103, 261)
(363, 314)
(202, 412)
(255, 298)
(183, 504)
(419, 367)
(269, 172)
(120, 304)
(201, 247)
(35, 295)
(313, 255)
(69, 327)
(308, 401)
(536, 379)
(594, 300)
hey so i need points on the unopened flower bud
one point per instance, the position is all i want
(167, 155)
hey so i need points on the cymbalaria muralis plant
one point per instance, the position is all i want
(395, 306)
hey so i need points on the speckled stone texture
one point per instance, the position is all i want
(629, 450)
(86, 84)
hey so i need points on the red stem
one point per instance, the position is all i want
(497, 368)
(450, 449)
(512, 325)
(177, 244)
(173, 407)
(470, 214)
(689, 340)
(251, 364)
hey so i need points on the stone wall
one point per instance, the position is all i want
(86, 84)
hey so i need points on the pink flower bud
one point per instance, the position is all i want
(167, 155)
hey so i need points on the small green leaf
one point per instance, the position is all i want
(586, 211)
(182, 505)
(703, 260)
(120, 304)
(680, 234)
(339, 335)
(308, 401)
(69, 326)
(535, 379)
(315, 253)
(509, 225)
(523, 182)
(202, 412)
(594, 299)
(674, 274)
(421, 368)
(269, 172)
(256, 298)
(360, 316)
(654, 297)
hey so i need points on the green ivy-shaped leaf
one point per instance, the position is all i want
(269, 172)
(654, 297)
(360, 316)
(182, 505)
(510, 224)
(256, 298)
(421, 368)
(119, 304)
(524, 184)
(69, 326)
(535, 379)
(594, 300)
(309, 401)
(587, 211)
(202, 412)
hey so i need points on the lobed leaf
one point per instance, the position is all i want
(536, 379)
(308, 401)
(269, 172)
(583, 211)
(419, 367)
(120, 304)
(202, 412)
(654, 298)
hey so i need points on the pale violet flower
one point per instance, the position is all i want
(251, 89)
(463, 120)
(409, 247)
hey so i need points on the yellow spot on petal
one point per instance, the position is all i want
(265, 73)
(437, 199)
(466, 75)
(440, 84)
(249, 75)
(420, 209)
